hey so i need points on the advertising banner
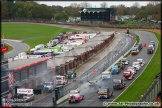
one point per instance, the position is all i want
(4, 49)
(25, 91)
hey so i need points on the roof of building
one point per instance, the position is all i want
(96, 9)
(23, 62)
(57, 61)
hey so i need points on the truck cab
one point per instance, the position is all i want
(152, 43)
(150, 50)
(48, 87)
(121, 65)
(136, 65)
(70, 74)
(142, 63)
(134, 51)
(61, 80)
(105, 75)
(115, 69)
(74, 96)
(125, 61)
(133, 69)
(104, 93)
(127, 74)
(118, 84)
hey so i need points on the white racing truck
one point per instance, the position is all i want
(61, 80)
(105, 75)
(48, 87)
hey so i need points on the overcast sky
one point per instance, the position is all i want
(93, 3)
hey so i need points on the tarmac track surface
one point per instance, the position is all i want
(18, 47)
(91, 96)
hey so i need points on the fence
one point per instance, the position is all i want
(153, 90)
(86, 23)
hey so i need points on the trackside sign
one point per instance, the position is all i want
(25, 91)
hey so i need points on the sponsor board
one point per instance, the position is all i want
(25, 91)
(4, 49)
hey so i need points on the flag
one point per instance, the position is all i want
(10, 78)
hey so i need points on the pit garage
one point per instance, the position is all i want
(30, 73)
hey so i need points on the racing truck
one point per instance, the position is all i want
(118, 84)
(153, 43)
(104, 93)
(75, 96)
(105, 75)
(133, 69)
(134, 51)
(136, 65)
(48, 87)
(127, 74)
(150, 50)
(121, 65)
(142, 63)
(61, 80)
(115, 69)
(125, 61)
(70, 74)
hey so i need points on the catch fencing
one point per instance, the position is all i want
(153, 90)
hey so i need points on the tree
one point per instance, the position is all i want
(4, 12)
(61, 16)
(85, 5)
(75, 8)
(103, 5)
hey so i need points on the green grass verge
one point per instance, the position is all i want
(32, 34)
(137, 39)
(10, 48)
(62, 102)
(144, 81)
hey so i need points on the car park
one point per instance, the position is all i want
(136, 65)
(75, 96)
(128, 74)
(104, 93)
(125, 61)
(118, 84)
(141, 61)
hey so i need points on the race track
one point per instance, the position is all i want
(18, 47)
(91, 97)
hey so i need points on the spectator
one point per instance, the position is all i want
(127, 31)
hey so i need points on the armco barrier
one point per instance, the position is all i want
(153, 91)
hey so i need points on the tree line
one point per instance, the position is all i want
(31, 9)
